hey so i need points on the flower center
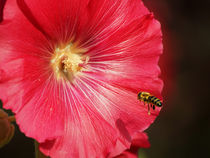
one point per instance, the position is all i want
(68, 61)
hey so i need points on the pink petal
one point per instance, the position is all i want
(96, 115)
(139, 140)
(58, 19)
(24, 55)
(129, 57)
(107, 16)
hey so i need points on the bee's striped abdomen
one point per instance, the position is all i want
(154, 100)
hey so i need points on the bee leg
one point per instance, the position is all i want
(148, 109)
(153, 107)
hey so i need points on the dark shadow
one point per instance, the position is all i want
(122, 129)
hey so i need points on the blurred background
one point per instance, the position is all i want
(183, 126)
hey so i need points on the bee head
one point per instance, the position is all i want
(139, 95)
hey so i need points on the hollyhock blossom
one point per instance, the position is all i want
(71, 69)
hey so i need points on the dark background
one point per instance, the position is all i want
(182, 129)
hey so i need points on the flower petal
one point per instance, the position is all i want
(24, 59)
(96, 109)
(83, 19)
(139, 140)
(86, 132)
(107, 16)
(91, 137)
(58, 19)
(129, 58)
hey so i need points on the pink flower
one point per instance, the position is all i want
(71, 69)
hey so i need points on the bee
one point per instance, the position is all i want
(150, 100)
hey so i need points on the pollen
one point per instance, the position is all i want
(68, 61)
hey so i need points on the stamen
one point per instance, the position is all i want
(68, 61)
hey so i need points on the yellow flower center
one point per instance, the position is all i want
(68, 61)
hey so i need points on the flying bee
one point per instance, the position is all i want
(150, 100)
